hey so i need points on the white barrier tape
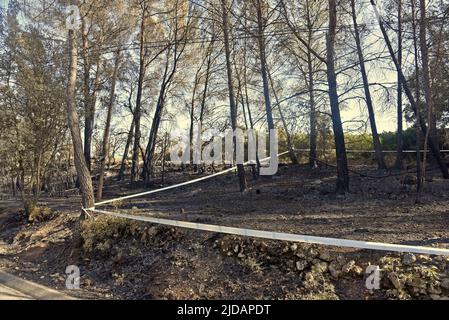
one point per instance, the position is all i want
(284, 236)
(86, 212)
(178, 185)
(372, 151)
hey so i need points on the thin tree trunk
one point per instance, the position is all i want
(138, 109)
(245, 101)
(88, 125)
(340, 147)
(90, 118)
(160, 106)
(240, 168)
(192, 114)
(255, 168)
(151, 146)
(105, 149)
(13, 187)
(434, 147)
(164, 150)
(69, 177)
(205, 90)
(85, 180)
(417, 96)
(369, 101)
(399, 135)
(291, 151)
(426, 84)
(121, 173)
(313, 122)
(263, 66)
(129, 139)
(311, 84)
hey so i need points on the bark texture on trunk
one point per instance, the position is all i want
(340, 147)
(233, 107)
(85, 180)
(418, 98)
(263, 65)
(311, 85)
(430, 133)
(399, 135)
(138, 109)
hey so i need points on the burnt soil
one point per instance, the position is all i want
(135, 260)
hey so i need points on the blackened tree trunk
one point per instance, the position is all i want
(90, 118)
(138, 109)
(176, 49)
(151, 146)
(192, 112)
(342, 162)
(160, 106)
(89, 92)
(399, 135)
(434, 147)
(233, 107)
(418, 98)
(311, 86)
(129, 140)
(369, 101)
(430, 132)
(263, 64)
(121, 173)
(105, 147)
(88, 126)
(206, 88)
(312, 117)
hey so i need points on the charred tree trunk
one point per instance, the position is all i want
(121, 173)
(89, 93)
(138, 109)
(263, 65)
(240, 168)
(311, 84)
(151, 146)
(205, 89)
(192, 114)
(313, 121)
(431, 131)
(129, 139)
(105, 149)
(399, 136)
(149, 153)
(342, 162)
(434, 147)
(90, 119)
(369, 101)
(418, 98)
(88, 127)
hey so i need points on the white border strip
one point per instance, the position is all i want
(206, 178)
(177, 185)
(372, 151)
(283, 236)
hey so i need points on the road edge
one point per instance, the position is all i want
(34, 290)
